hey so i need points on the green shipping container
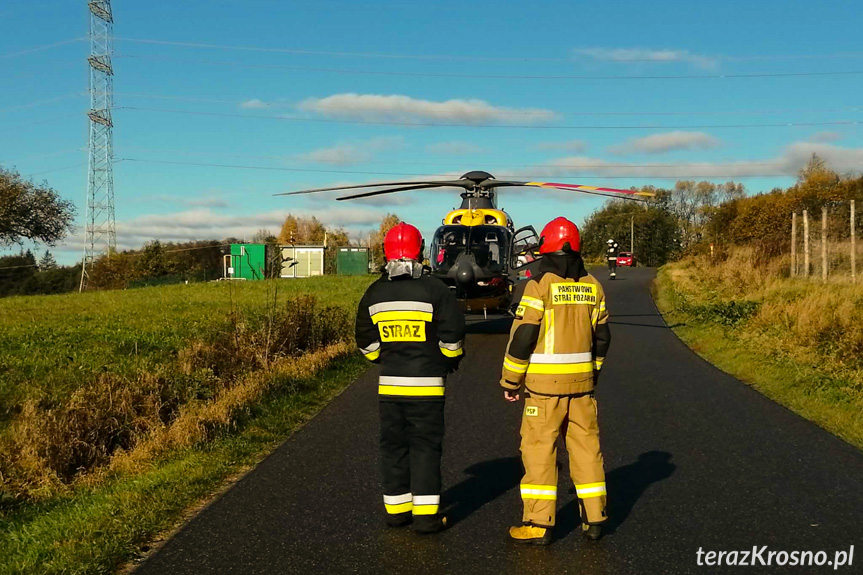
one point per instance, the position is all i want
(352, 261)
(249, 261)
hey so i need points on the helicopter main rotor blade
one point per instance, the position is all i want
(424, 186)
(466, 184)
(592, 190)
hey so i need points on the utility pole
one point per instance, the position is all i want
(824, 244)
(853, 246)
(794, 244)
(101, 234)
(805, 243)
(632, 235)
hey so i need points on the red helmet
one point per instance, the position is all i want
(403, 241)
(557, 235)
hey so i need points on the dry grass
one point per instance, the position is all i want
(118, 423)
(798, 340)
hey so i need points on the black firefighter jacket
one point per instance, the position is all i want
(414, 328)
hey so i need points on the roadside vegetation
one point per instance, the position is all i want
(797, 339)
(119, 409)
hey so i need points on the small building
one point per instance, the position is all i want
(302, 261)
(352, 261)
(246, 261)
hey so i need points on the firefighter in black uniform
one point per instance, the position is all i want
(412, 325)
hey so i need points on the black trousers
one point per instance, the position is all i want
(612, 265)
(411, 446)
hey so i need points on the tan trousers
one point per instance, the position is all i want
(544, 419)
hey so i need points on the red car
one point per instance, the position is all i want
(626, 259)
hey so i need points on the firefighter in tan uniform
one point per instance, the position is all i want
(556, 348)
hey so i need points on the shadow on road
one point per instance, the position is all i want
(625, 486)
(492, 325)
(488, 481)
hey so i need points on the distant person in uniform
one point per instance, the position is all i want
(611, 255)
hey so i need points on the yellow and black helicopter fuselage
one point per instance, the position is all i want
(475, 252)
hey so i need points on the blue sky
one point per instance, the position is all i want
(604, 93)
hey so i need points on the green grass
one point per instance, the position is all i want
(145, 370)
(94, 530)
(52, 345)
(758, 339)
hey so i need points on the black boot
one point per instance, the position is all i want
(428, 524)
(591, 532)
(399, 519)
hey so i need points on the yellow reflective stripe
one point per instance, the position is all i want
(451, 353)
(400, 508)
(548, 323)
(588, 490)
(373, 355)
(532, 302)
(401, 316)
(514, 367)
(597, 363)
(602, 305)
(426, 509)
(560, 368)
(594, 316)
(544, 492)
(411, 390)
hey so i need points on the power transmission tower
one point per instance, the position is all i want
(101, 235)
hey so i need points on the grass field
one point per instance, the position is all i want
(800, 342)
(118, 410)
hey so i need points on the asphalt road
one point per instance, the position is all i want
(695, 459)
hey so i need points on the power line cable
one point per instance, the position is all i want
(373, 173)
(40, 48)
(453, 164)
(42, 102)
(39, 156)
(69, 167)
(499, 76)
(495, 126)
(761, 112)
(466, 58)
(38, 122)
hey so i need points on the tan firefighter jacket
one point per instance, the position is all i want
(560, 335)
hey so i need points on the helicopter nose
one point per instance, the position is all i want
(464, 274)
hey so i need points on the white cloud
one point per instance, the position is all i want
(666, 142)
(208, 200)
(398, 108)
(792, 159)
(254, 104)
(347, 153)
(454, 148)
(575, 146)
(826, 137)
(646, 55)
(842, 160)
(205, 224)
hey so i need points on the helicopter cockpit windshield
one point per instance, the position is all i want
(488, 244)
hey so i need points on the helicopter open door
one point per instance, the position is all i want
(524, 262)
(524, 251)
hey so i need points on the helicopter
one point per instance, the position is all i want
(477, 251)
